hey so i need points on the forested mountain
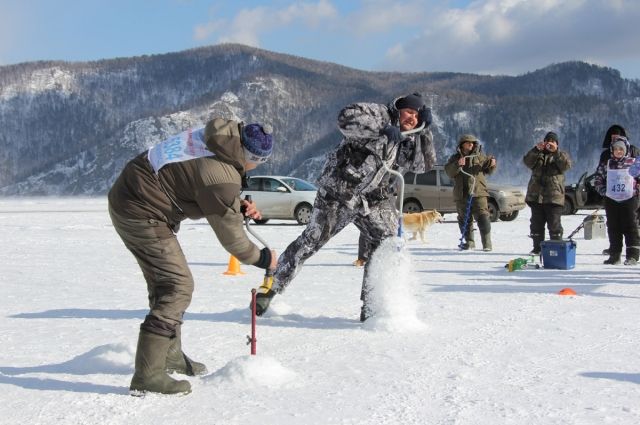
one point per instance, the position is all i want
(68, 128)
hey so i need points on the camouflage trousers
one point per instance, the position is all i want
(328, 219)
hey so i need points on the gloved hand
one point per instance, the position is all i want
(392, 132)
(424, 116)
(263, 299)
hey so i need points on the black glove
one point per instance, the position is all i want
(263, 299)
(424, 116)
(392, 132)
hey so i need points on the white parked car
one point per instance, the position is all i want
(285, 198)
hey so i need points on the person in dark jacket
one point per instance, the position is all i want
(612, 131)
(545, 191)
(467, 168)
(634, 152)
(195, 174)
(620, 191)
(354, 185)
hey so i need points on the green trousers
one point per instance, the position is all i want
(163, 264)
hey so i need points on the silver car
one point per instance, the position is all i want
(434, 190)
(279, 197)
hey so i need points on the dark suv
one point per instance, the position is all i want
(582, 196)
(433, 190)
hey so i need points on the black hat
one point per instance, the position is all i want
(551, 136)
(413, 101)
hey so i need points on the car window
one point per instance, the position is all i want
(428, 178)
(271, 185)
(408, 178)
(254, 183)
(301, 185)
(445, 180)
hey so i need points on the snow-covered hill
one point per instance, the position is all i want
(68, 128)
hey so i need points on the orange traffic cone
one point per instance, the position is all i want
(567, 291)
(234, 267)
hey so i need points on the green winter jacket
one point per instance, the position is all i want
(478, 166)
(206, 187)
(546, 185)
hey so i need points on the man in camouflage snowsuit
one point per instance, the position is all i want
(354, 186)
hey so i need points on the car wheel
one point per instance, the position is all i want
(303, 213)
(509, 217)
(411, 206)
(263, 221)
(568, 208)
(494, 213)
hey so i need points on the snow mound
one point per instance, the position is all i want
(252, 370)
(392, 297)
(108, 358)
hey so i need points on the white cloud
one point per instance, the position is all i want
(376, 16)
(248, 25)
(514, 36)
(480, 36)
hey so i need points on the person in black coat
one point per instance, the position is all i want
(618, 184)
(605, 155)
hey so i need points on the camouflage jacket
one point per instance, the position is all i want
(478, 165)
(546, 185)
(354, 174)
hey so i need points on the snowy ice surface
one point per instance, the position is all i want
(458, 339)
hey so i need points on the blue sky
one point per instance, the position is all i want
(482, 36)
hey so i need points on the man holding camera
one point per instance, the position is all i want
(545, 192)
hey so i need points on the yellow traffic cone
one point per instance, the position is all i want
(234, 267)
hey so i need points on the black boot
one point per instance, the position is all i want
(537, 239)
(150, 374)
(614, 258)
(469, 242)
(179, 362)
(632, 256)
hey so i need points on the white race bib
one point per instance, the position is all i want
(619, 184)
(181, 147)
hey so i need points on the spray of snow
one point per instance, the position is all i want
(249, 371)
(392, 296)
(278, 308)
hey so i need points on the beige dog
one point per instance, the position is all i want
(418, 223)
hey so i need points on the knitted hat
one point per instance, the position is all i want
(257, 143)
(551, 136)
(619, 142)
(413, 101)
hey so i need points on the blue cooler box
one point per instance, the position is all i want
(558, 254)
